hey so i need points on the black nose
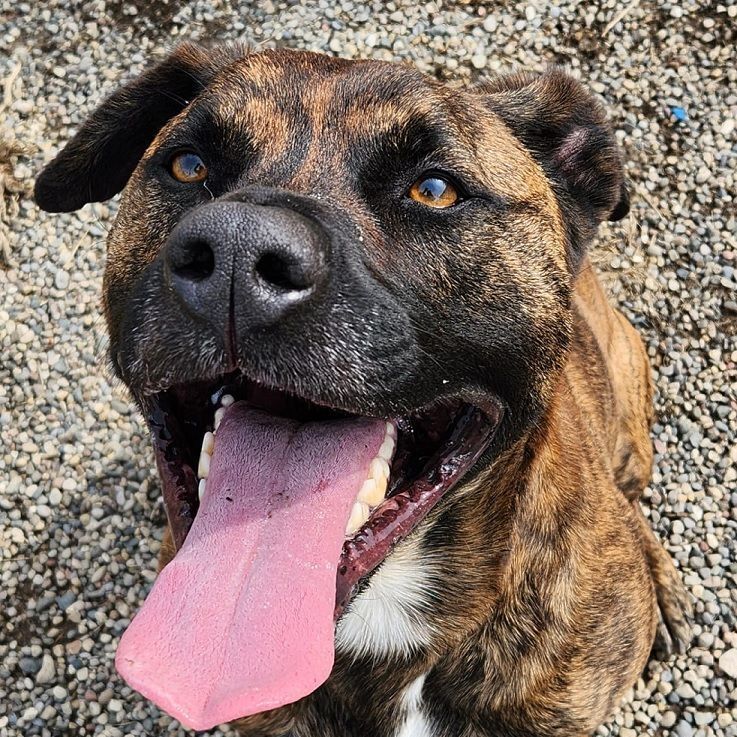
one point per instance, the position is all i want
(257, 261)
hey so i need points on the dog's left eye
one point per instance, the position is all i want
(188, 167)
(434, 190)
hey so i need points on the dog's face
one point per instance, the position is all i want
(371, 273)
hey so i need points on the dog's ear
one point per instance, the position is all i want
(98, 161)
(566, 130)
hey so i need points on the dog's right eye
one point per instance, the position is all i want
(188, 167)
(434, 190)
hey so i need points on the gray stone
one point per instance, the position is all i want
(728, 662)
(47, 671)
(30, 666)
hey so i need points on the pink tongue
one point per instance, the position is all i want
(241, 621)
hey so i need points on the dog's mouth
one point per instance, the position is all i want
(280, 509)
(419, 458)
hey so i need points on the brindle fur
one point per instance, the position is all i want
(547, 579)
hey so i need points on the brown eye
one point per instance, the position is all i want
(434, 191)
(188, 167)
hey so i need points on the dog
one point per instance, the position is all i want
(401, 434)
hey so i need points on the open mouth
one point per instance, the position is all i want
(280, 508)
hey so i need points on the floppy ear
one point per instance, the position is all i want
(566, 130)
(98, 161)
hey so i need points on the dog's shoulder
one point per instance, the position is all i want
(610, 373)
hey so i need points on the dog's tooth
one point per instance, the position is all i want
(203, 468)
(227, 400)
(208, 443)
(201, 488)
(359, 514)
(372, 492)
(391, 430)
(379, 469)
(387, 449)
(382, 485)
(219, 417)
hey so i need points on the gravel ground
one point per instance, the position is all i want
(80, 516)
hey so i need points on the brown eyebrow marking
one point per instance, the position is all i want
(269, 128)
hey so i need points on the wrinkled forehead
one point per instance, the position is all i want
(290, 89)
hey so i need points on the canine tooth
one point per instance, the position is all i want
(379, 469)
(372, 492)
(367, 494)
(387, 449)
(203, 468)
(359, 515)
(382, 485)
(201, 488)
(227, 400)
(219, 417)
(391, 430)
(208, 443)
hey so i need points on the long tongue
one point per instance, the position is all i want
(241, 621)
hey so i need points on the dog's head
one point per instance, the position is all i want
(360, 279)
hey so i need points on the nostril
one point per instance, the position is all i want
(194, 261)
(279, 272)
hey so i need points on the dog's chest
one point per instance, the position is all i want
(409, 717)
(389, 620)
(415, 722)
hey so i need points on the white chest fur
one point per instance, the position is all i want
(388, 617)
(415, 724)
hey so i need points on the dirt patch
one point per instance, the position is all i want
(154, 14)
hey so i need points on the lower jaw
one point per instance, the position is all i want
(408, 502)
(405, 509)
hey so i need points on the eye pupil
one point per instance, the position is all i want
(191, 164)
(433, 188)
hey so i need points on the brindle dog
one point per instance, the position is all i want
(342, 239)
